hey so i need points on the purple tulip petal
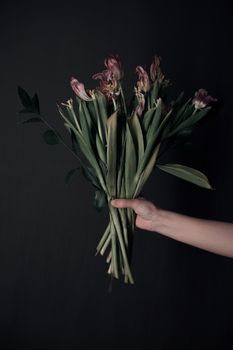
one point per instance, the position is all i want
(155, 70)
(114, 65)
(79, 89)
(202, 99)
(143, 79)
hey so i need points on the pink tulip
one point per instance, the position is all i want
(105, 77)
(114, 65)
(79, 89)
(144, 81)
(202, 99)
(108, 84)
(141, 103)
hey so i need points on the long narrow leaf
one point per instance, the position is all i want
(146, 173)
(136, 131)
(151, 138)
(24, 98)
(187, 173)
(193, 119)
(130, 162)
(112, 154)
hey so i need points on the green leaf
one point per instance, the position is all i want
(151, 137)
(120, 175)
(85, 122)
(184, 133)
(24, 98)
(178, 140)
(190, 121)
(100, 149)
(51, 137)
(35, 104)
(88, 153)
(101, 115)
(179, 100)
(74, 143)
(31, 104)
(112, 154)
(154, 92)
(187, 173)
(70, 174)
(154, 125)
(68, 122)
(130, 162)
(25, 110)
(136, 132)
(90, 175)
(32, 120)
(99, 201)
(102, 107)
(147, 118)
(146, 172)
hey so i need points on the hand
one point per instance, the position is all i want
(146, 211)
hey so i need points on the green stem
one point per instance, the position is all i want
(114, 104)
(60, 138)
(106, 243)
(122, 212)
(123, 99)
(116, 222)
(114, 261)
(103, 239)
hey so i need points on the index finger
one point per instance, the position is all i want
(125, 203)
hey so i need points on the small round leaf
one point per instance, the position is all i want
(51, 137)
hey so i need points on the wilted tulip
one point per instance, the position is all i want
(143, 82)
(79, 89)
(155, 68)
(108, 84)
(105, 77)
(114, 65)
(202, 99)
(141, 102)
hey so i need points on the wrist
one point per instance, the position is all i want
(162, 220)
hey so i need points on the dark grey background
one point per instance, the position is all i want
(53, 290)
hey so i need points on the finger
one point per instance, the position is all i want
(123, 203)
(126, 203)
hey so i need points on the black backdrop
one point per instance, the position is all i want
(53, 290)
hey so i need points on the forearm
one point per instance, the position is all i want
(213, 236)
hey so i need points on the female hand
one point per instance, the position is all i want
(146, 211)
(213, 236)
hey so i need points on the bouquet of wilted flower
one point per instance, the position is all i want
(121, 143)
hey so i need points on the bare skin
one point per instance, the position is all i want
(213, 236)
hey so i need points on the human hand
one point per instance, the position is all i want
(146, 211)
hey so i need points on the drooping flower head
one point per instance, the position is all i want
(143, 82)
(108, 85)
(155, 70)
(141, 102)
(109, 78)
(79, 89)
(114, 65)
(202, 99)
